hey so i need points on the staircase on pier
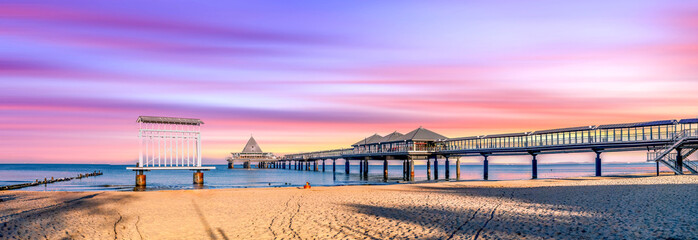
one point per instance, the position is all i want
(679, 147)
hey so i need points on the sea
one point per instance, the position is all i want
(117, 178)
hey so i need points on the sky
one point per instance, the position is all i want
(315, 75)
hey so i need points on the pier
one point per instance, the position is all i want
(169, 143)
(667, 142)
(253, 154)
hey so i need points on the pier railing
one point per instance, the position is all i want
(651, 133)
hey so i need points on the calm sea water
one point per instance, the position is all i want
(117, 178)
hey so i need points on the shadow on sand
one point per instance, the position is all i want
(661, 211)
(52, 219)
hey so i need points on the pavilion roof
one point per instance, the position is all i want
(391, 137)
(170, 120)
(421, 134)
(375, 138)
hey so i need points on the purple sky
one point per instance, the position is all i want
(313, 75)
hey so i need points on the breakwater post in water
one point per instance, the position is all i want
(52, 180)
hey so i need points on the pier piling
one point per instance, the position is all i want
(346, 166)
(198, 177)
(361, 168)
(457, 168)
(534, 166)
(447, 169)
(679, 161)
(429, 168)
(411, 169)
(484, 167)
(385, 170)
(140, 178)
(436, 168)
(598, 163)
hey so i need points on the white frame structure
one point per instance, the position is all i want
(169, 143)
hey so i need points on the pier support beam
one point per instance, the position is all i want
(404, 170)
(198, 177)
(447, 167)
(366, 168)
(429, 168)
(334, 165)
(411, 169)
(315, 165)
(679, 160)
(457, 168)
(323, 165)
(385, 170)
(534, 166)
(485, 167)
(598, 163)
(436, 168)
(140, 178)
(361, 168)
(231, 165)
(346, 166)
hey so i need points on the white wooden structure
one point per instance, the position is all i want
(168, 143)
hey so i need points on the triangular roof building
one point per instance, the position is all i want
(252, 147)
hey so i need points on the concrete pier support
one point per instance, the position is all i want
(366, 169)
(411, 169)
(198, 177)
(230, 165)
(323, 165)
(246, 165)
(534, 166)
(429, 168)
(404, 170)
(447, 167)
(140, 178)
(457, 168)
(385, 170)
(315, 165)
(346, 166)
(361, 167)
(679, 160)
(598, 163)
(485, 167)
(436, 168)
(334, 165)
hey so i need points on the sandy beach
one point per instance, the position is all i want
(630, 207)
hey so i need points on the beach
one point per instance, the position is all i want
(629, 207)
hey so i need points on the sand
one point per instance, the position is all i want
(582, 208)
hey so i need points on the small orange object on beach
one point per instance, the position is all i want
(307, 185)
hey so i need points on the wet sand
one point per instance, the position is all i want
(631, 207)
